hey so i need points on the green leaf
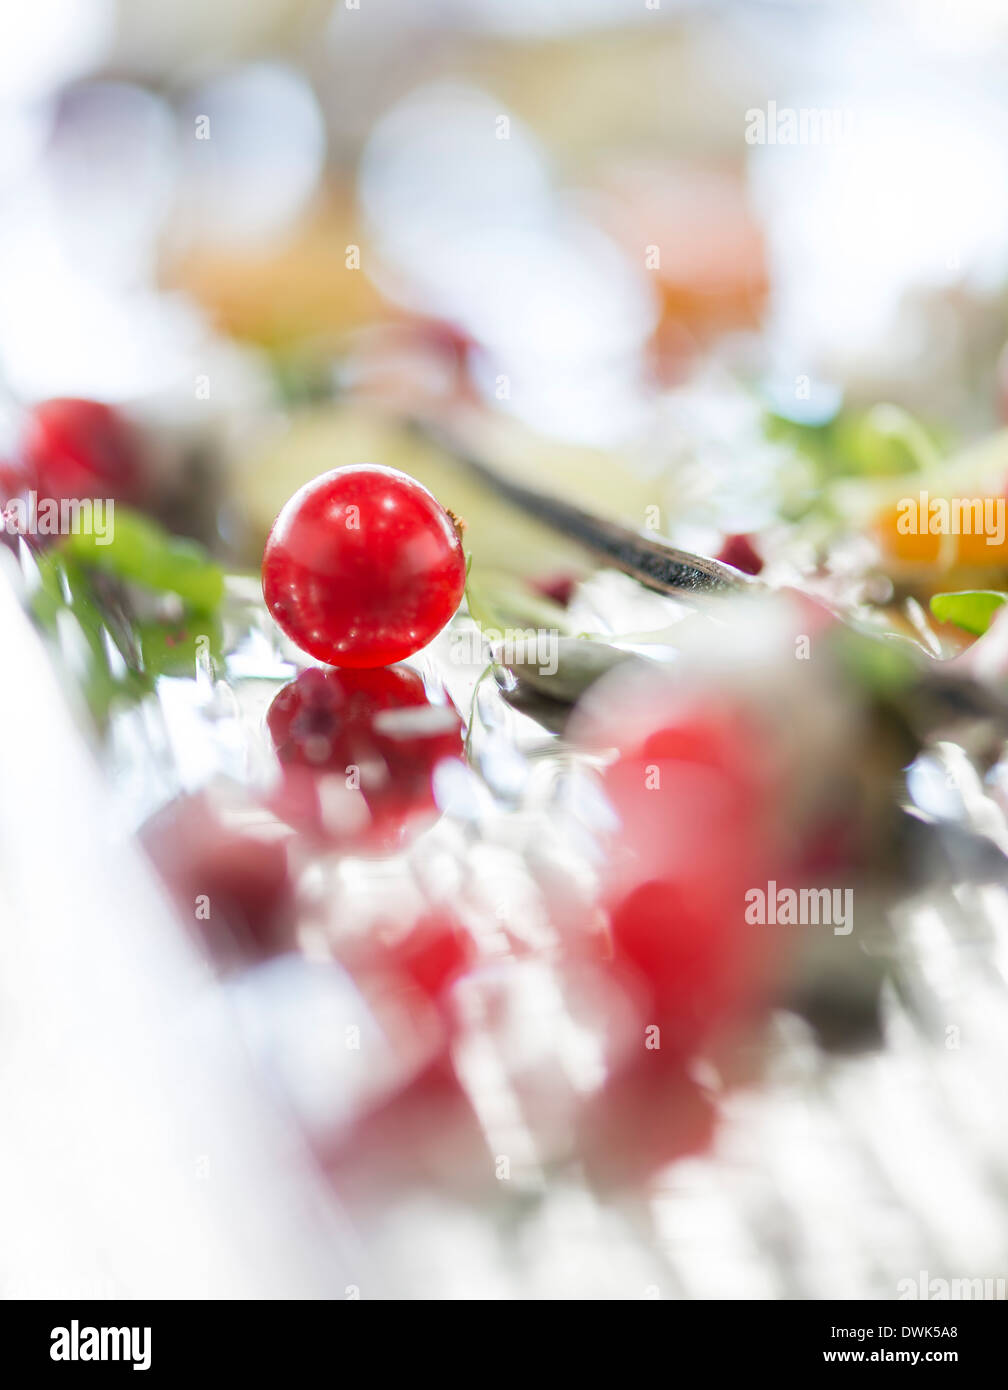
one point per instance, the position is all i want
(972, 609)
(881, 442)
(171, 649)
(885, 440)
(883, 665)
(64, 601)
(143, 552)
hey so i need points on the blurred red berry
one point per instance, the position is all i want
(741, 554)
(233, 884)
(79, 448)
(690, 844)
(560, 588)
(693, 789)
(643, 719)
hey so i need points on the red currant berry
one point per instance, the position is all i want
(558, 587)
(79, 448)
(741, 554)
(363, 567)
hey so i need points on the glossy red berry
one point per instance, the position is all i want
(79, 448)
(363, 567)
(374, 731)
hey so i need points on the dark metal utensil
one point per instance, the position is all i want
(654, 563)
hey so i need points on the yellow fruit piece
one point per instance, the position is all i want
(971, 533)
(310, 284)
